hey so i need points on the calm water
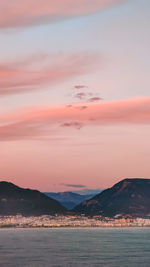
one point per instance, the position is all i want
(75, 247)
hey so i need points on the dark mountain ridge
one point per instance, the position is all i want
(16, 200)
(129, 197)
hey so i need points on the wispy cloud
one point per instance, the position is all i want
(24, 13)
(74, 124)
(80, 86)
(81, 107)
(41, 122)
(95, 99)
(85, 96)
(41, 70)
(80, 96)
(74, 185)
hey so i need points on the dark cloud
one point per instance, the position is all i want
(80, 86)
(73, 124)
(94, 99)
(81, 107)
(74, 185)
(80, 96)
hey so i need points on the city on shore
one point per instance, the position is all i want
(48, 221)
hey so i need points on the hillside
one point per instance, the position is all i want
(129, 197)
(68, 199)
(16, 200)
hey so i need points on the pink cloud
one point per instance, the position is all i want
(80, 96)
(74, 124)
(95, 99)
(81, 107)
(80, 86)
(83, 96)
(42, 70)
(16, 13)
(41, 122)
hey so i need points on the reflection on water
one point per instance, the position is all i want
(75, 247)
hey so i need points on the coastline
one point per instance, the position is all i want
(70, 221)
(76, 227)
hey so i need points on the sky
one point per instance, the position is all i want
(74, 93)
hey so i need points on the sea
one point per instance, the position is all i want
(62, 247)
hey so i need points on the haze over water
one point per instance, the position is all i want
(75, 247)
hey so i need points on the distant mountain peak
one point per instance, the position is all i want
(69, 199)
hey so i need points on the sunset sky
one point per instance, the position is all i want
(74, 92)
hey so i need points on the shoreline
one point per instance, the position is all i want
(73, 228)
(70, 221)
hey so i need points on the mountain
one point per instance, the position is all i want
(129, 197)
(68, 199)
(16, 200)
(87, 191)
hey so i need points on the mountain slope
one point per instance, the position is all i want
(68, 199)
(128, 197)
(16, 200)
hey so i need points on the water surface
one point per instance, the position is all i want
(75, 247)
